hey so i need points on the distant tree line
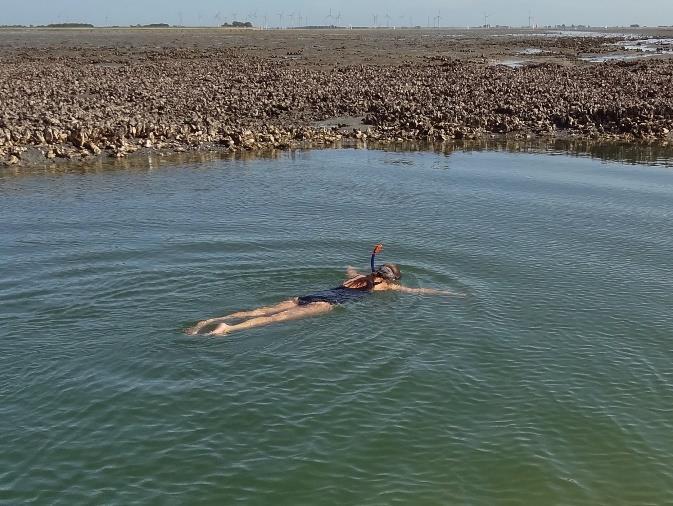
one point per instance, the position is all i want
(52, 25)
(152, 25)
(238, 24)
(69, 25)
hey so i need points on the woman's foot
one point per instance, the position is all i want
(192, 331)
(220, 330)
(196, 329)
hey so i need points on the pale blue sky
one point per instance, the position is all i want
(358, 12)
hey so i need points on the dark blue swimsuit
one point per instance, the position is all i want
(338, 295)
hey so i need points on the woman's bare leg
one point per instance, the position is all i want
(262, 311)
(294, 313)
(265, 311)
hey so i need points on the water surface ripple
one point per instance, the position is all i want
(549, 382)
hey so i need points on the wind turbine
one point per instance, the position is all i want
(486, 16)
(438, 17)
(387, 20)
(329, 18)
(338, 19)
(291, 16)
(280, 20)
(376, 20)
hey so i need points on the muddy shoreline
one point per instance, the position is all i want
(633, 153)
(77, 95)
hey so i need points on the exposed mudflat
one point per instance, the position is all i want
(73, 94)
(343, 47)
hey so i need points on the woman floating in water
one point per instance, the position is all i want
(384, 278)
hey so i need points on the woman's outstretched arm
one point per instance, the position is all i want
(425, 291)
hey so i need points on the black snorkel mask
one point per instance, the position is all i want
(385, 271)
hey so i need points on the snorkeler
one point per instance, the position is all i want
(384, 278)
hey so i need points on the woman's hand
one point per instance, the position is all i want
(426, 291)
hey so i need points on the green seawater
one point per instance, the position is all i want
(549, 382)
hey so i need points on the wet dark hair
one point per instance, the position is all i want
(390, 272)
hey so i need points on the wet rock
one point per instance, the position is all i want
(79, 137)
(31, 156)
(93, 148)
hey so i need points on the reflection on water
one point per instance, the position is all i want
(605, 58)
(659, 154)
(643, 48)
(656, 153)
(661, 45)
(533, 51)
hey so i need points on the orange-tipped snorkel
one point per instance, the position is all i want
(377, 249)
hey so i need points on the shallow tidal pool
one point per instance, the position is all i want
(548, 382)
